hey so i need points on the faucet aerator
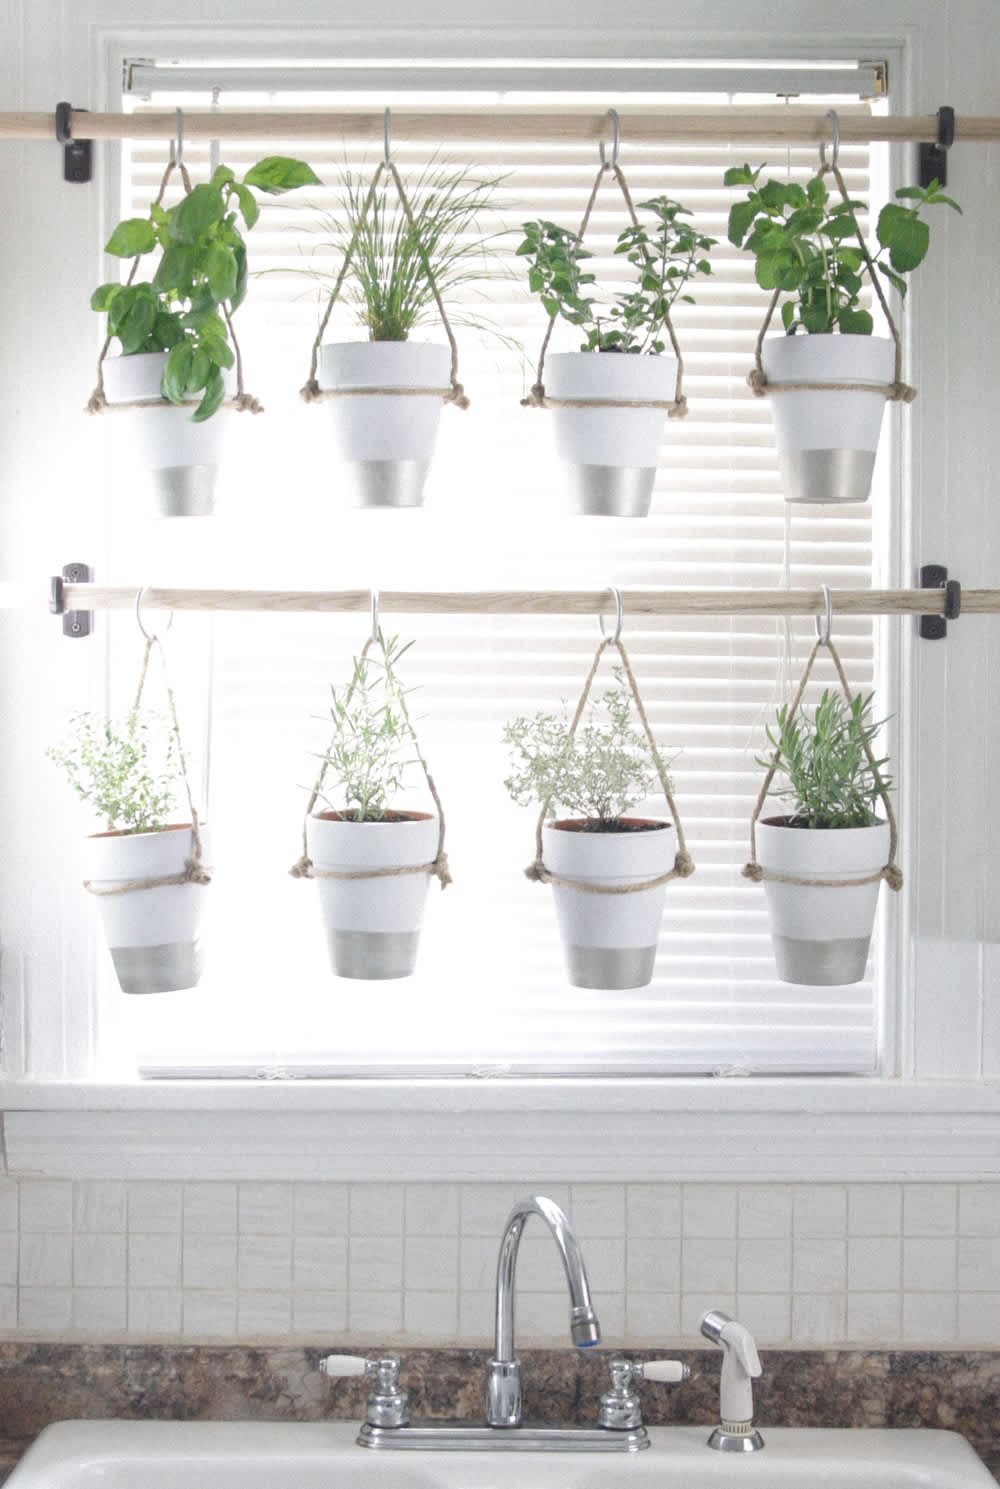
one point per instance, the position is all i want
(586, 1334)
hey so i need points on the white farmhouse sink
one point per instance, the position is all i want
(318, 1455)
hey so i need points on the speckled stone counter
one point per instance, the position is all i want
(47, 1382)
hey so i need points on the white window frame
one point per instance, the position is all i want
(934, 1117)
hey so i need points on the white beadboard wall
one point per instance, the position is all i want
(814, 1265)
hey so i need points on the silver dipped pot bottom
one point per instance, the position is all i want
(612, 490)
(388, 483)
(373, 955)
(185, 490)
(826, 475)
(610, 966)
(821, 963)
(158, 969)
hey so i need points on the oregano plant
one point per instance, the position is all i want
(185, 308)
(601, 772)
(806, 242)
(666, 253)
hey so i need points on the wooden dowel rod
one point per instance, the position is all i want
(537, 602)
(665, 126)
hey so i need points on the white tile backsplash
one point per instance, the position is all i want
(362, 1264)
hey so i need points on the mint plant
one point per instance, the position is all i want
(372, 745)
(126, 769)
(601, 772)
(666, 253)
(185, 309)
(807, 243)
(831, 780)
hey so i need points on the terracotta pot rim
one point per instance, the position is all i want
(578, 824)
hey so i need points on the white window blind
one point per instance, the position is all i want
(490, 995)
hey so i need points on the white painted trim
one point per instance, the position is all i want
(553, 1131)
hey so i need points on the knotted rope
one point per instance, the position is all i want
(242, 401)
(538, 398)
(304, 868)
(891, 872)
(683, 862)
(311, 391)
(896, 392)
(195, 871)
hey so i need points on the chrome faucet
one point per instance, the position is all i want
(503, 1377)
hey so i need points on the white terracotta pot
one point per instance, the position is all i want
(610, 940)
(153, 934)
(612, 453)
(183, 457)
(827, 440)
(373, 925)
(821, 934)
(387, 440)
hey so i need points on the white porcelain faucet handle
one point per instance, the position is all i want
(667, 1371)
(343, 1365)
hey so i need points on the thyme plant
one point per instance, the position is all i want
(388, 276)
(807, 243)
(372, 745)
(666, 254)
(601, 772)
(200, 280)
(831, 781)
(127, 769)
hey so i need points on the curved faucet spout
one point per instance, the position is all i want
(503, 1389)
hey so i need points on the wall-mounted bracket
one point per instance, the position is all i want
(935, 627)
(932, 156)
(76, 623)
(78, 155)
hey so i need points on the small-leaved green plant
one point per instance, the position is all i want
(388, 271)
(806, 243)
(126, 769)
(372, 745)
(601, 772)
(830, 779)
(200, 280)
(666, 254)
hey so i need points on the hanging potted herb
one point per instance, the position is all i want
(611, 398)
(407, 248)
(823, 861)
(608, 867)
(145, 871)
(180, 364)
(372, 861)
(831, 374)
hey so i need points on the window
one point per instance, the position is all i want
(490, 996)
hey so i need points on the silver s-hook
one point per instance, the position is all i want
(834, 119)
(138, 616)
(619, 616)
(615, 118)
(824, 623)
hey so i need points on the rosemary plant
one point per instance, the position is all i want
(831, 781)
(601, 772)
(372, 745)
(127, 770)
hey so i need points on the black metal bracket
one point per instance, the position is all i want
(935, 627)
(932, 156)
(76, 623)
(78, 155)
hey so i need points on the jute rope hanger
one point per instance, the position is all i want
(195, 871)
(538, 397)
(890, 872)
(304, 868)
(242, 401)
(311, 391)
(683, 863)
(897, 391)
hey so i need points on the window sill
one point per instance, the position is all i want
(593, 1130)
